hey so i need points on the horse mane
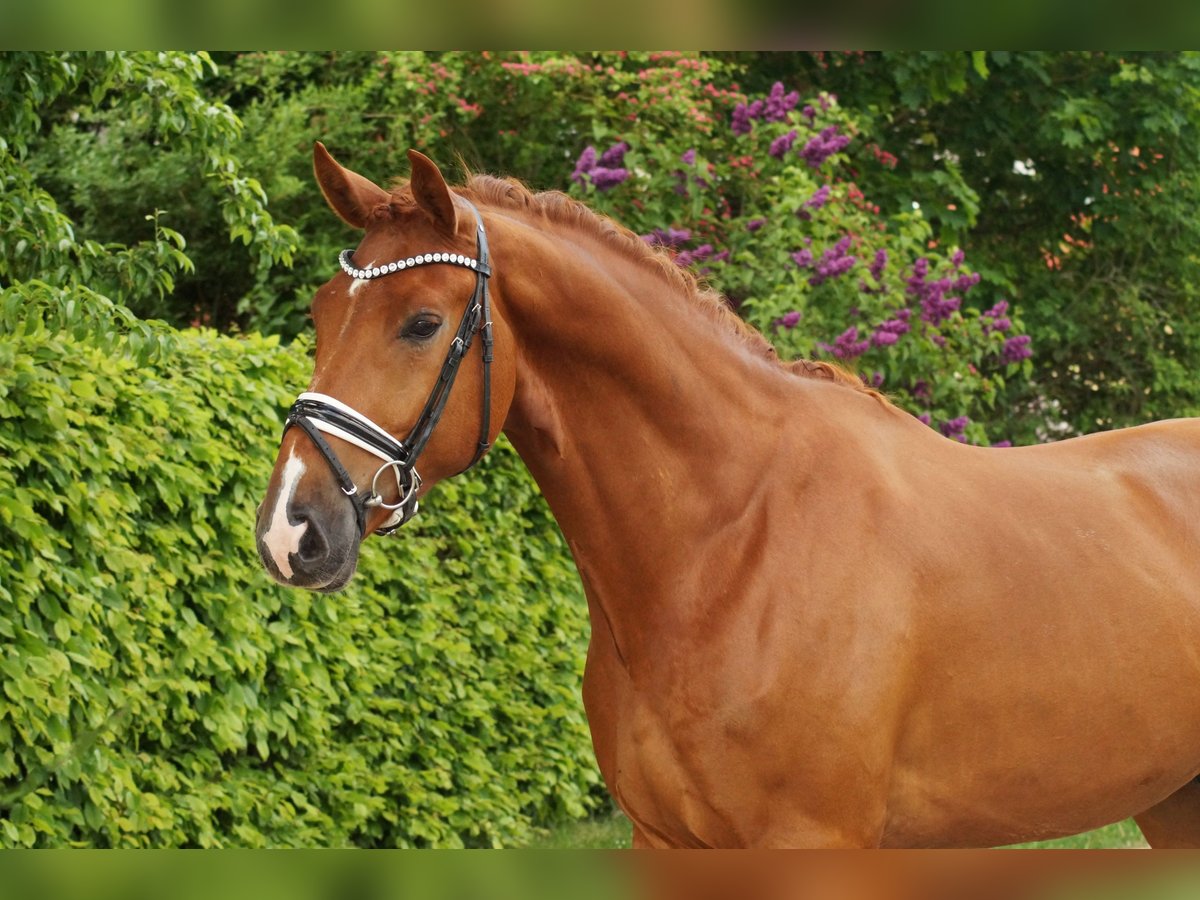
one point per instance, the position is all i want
(558, 208)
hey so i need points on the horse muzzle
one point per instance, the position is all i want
(307, 547)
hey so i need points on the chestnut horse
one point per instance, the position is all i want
(815, 621)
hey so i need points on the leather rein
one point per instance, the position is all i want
(317, 414)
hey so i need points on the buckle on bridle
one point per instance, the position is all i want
(408, 493)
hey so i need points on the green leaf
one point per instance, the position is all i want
(979, 62)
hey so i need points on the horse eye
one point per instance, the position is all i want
(421, 328)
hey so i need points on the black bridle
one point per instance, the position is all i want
(315, 413)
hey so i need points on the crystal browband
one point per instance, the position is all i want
(454, 259)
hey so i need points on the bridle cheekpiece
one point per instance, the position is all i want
(319, 414)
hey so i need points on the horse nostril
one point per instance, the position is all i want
(313, 546)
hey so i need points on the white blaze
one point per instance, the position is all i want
(282, 537)
(357, 283)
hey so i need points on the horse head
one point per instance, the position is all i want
(406, 387)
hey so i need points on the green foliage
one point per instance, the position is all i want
(1089, 237)
(1084, 166)
(532, 114)
(79, 129)
(756, 218)
(159, 690)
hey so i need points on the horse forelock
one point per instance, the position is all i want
(558, 208)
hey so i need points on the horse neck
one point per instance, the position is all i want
(645, 422)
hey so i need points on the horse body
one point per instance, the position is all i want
(1057, 643)
(815, 622)
(949, 641)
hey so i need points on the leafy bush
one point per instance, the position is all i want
(1073, 204)
(158, 690)
(1074, 197)
(762, 194)
(83, 237)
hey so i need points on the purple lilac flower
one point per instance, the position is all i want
(957, 258)
(671, 237)
(601, 174)
(954, 428)
(585, 164)
(936, 307)
(847, 345)
(819, 198)
(604, 179)
(826, 100)
(809, 113)
(876, 268)
(743, 113)
(740, 121)
(966, 282)
(697, 254)
(1002, 444)
(831, 268)
(995, 320)
(833, 262)
(783, 143)
(754, 224)
(920, 391)
(614, 156)
(888, 332)
(875, 381)
(688, 157)
(884, 338)
(778, 104)
(926, 419)
(1016, 349)
(1002, 324)
(823, 146)
(803, 258)
(788, 320)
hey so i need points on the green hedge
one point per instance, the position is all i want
(159, 690)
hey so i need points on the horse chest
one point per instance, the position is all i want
(662, 772)
(742, 751)
(686, 772)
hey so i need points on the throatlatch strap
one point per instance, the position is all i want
(486, 339)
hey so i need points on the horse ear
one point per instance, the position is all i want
(430, 191)
(352, 197)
